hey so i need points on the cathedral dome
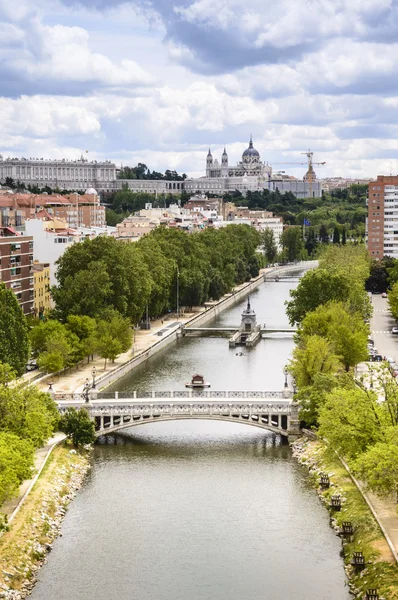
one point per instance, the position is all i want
(250, 151)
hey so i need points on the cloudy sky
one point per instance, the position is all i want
(160, 81)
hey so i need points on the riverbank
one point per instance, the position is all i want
(381, 570)
(147, 342)
(23, 549)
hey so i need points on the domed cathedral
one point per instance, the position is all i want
(250, 165)
(249, 174)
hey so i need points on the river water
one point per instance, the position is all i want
(199, 510)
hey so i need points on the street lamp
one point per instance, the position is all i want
(294, 386)
(286, 373)
(94, 373)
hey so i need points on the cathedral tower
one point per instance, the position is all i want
(209, 163)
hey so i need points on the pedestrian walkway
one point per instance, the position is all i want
(74, 380)
(41, 455)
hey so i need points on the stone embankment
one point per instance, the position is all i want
(380, 569)
(24, 548)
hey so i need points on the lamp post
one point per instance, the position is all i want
(178, 294)
(285, 372)
(94, 374)
(86, 387)
(294, 386)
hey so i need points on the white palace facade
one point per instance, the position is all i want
(250, 174)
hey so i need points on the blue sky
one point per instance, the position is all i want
(160, 81)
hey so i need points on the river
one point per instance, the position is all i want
(199, 510)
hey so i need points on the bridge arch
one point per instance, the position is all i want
(117, 423)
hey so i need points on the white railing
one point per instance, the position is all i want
(173, 394)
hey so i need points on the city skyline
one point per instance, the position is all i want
(160, 82)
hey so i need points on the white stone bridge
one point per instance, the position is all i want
(273, 411)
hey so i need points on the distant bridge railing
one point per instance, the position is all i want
(78, 397)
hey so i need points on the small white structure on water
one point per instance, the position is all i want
(249, 332)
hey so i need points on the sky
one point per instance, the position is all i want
(161, 81)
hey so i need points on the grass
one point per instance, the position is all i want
(20, 553)
(381, 571)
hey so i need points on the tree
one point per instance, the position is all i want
(108, 348)
(323, 234)
(350, 421)
(311, 242)
(312, 397)
(343, 237)
(346, 332)
(318, 286)
(292, 243)
(85, 329)
(378, 279)
(336, 236)
(16, 462)
(77, 426)
(57, 347)
(14, 339)
(314, 356)
(378, 466)
(27, 412)
(393, 300)
(269, 245)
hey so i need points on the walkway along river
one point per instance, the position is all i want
(196, 510)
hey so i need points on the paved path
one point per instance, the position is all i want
(40, 459)
(74, 380)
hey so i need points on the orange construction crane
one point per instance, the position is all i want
(310, 175)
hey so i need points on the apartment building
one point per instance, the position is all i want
(16, 258)
(41, 285)
(382, 220)
(78, 210)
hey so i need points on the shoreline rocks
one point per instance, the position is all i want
(46, 523)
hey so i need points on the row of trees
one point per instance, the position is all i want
(331, 309)
(59, 345)
(141, 171)
(106, 286)
(107, 274)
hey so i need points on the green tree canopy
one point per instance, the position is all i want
(16, 461)
(27, 412)
(346, 332)
(316, 287)
(378, 466)
(77, 426)
(14, 338)
(292, 243)
(314, 356)
(269, 245)
(350, 421)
